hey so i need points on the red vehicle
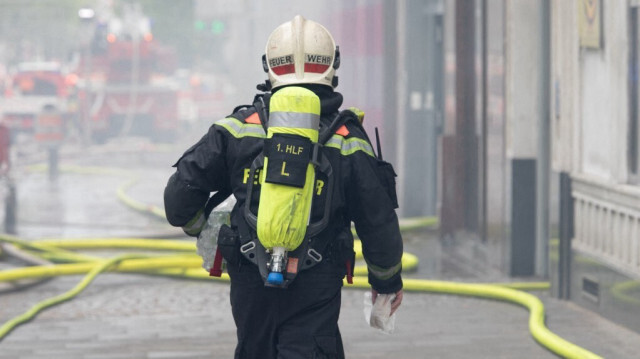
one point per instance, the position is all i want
(31, 87)
(124, 85)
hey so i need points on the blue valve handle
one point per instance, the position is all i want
(275, 278)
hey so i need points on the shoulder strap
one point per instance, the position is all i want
(338, 121)
(238, 108)
(261, 110)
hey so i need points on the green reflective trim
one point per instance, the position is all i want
(383, 273)
(196, 224)
(358, 113)
(239, 129)
(294, 120)
(349, 146)
(295, 99)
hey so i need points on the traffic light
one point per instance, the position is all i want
(199, 25)
(215, 27)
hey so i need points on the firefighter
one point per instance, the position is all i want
(300, 320)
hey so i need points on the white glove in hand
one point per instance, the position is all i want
(378, 314)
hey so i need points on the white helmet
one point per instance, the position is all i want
(301, 52)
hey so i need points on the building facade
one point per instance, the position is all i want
(595, 101)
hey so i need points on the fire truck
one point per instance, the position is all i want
(32, 87)
(125, 87)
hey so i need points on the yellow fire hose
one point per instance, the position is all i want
(94, 270)
(188, 265)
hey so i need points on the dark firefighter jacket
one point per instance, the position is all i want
(364, 190)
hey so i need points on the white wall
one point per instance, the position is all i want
(565, 89)
(589, 97)
(604, 102)
(522, 77)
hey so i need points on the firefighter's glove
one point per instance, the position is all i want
(378, 311)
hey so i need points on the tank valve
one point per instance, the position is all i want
(276, 266)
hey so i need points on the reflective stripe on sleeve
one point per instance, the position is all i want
(195, 225)
(384, 273)
(349, 146)
(238, 129)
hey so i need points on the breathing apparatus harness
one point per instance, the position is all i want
(281, 239)
(291, 161)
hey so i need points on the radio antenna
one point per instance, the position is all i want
(378, 145)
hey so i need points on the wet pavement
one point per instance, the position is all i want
(142, 316)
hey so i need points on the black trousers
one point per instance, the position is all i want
(295, 323)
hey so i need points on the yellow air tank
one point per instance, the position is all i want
(288, 175)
